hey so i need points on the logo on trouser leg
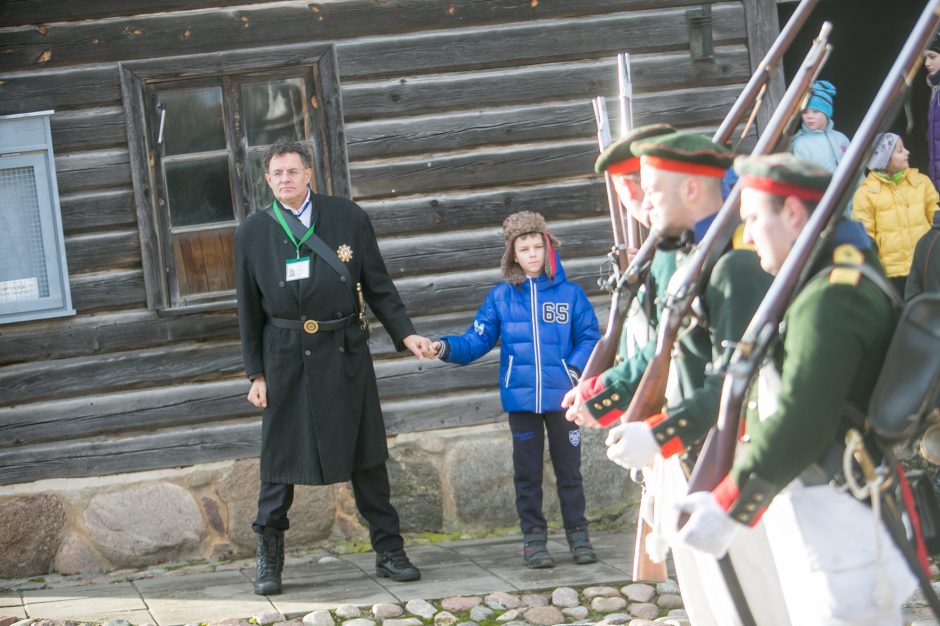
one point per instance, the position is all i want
(574, 436)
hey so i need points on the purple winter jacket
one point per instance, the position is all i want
(933, 129)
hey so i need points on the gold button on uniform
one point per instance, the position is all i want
(615, 397)
(311, 326)
(598, 406)
(606, 401)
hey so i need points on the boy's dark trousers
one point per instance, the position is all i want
(564, 447)
(371, 490)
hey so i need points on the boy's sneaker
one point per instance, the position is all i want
(580, 545)
(534, 551)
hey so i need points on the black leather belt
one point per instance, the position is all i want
(313, 326)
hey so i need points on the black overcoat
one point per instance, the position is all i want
(323, 419)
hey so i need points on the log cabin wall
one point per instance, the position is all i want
(455, 114)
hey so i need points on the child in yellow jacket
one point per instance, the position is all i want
(896, 204)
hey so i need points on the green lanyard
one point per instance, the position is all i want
(280, 218)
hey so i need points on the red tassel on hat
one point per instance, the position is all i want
(550, 252)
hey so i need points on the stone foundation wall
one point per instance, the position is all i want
(442, 481)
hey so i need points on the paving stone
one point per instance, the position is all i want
(644, 610)
(407, 621)
(269, 617)
(606, 604)
(669, 586)
(565, 597)
(670, 601)
(319, 618)
(359, 621)
(544, 616)
(445, 618)
(480, 613)
(386, 610)
(502, 600)
(509, 615)
(460, 603)
(606, 592)
(576, 612)
(348, 611)
(421, 608)
(638, 592)
(231, 621)
(615, 619)
(533, 600)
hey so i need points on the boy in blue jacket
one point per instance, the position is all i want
(548, 329)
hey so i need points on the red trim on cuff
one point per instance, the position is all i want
(726, 493)
(609, 418)
(672, 447)
(655, 420)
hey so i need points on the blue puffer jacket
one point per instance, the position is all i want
(545, 325)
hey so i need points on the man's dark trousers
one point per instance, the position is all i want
(564, 448)
(372, 492)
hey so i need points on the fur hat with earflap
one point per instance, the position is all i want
(516, 225)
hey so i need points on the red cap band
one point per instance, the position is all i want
(686, 168)
(781, 189)
(629, 166)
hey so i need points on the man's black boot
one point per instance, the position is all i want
(269, 562)
(580, 545)
(394, 564)
(534, 551)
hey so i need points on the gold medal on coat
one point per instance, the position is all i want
(345, 253)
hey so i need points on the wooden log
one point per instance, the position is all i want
(59, 89)
(546, 41)
(61, 338)
(99, 252)
(103, 456)
(383, 138)
(541, 83)
(167, 365)
(467, 408)
(459, 210)
(23, 12)
(95, 169)
(117, 413)
(57, 44)
(93, 210)
(473, 170)
(107, 290)
(88, 129)
(409, 378)
(476, 249)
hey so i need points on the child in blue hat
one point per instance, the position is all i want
(817, 140)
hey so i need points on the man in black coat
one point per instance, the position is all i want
(303, 268)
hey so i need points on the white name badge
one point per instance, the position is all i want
(298, 268)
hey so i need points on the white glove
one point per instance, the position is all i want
(631, 445)
(709, 529)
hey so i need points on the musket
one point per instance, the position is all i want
(690, 278)
(613, 203)
(605, 351)
(625, 81)
(717, 456)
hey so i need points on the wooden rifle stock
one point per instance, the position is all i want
(717, 456)
(686, 284)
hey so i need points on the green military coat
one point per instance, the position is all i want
(323, 419)
(835, 337)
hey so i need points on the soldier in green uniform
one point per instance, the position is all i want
(681, 175)
(835, 560)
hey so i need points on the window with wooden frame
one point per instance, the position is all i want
(198, 128)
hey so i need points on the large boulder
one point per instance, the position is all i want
(30, 532)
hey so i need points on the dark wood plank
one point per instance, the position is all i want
(550, 82)
(505, 166)
(95, 169)
(186, 363)
(88, 129)
(100, 252)
(116, 413)
(107, 290)
(409, 377)
(477, 249)
(168, 34)
(573, 120)
(94, 210)
(763, 26)
(59, 89)
(545, 41)
(21, 12)
(103, 456)
(61, 338)
(466, 408)
(487, 209)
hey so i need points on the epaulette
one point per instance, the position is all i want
(847, 258)
(737, 239)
